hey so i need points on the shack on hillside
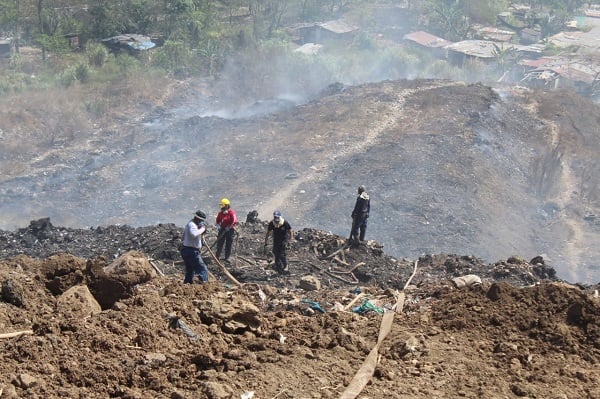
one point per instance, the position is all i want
(560, 72)
(434, 44)
(462, 52)
(336, 30)
(131, 43)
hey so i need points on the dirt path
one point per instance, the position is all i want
(572, 251)
(379, 125)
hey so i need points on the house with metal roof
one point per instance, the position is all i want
(324, 31)
(492, 33)
(436, 45)
(574, 72)
(485, 50)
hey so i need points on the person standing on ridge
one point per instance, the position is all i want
(191, 246)
(360, 214)
(226, 222)
(282, 235)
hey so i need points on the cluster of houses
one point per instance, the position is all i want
(576, 63)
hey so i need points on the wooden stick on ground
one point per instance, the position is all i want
(15, 334)
(331, 255)
(249, 261)
(223, 268)
(160, 273)
(352, 302)
(335, 258)
(359, 264)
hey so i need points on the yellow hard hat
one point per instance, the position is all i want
(224, 202)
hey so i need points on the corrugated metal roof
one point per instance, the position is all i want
(592, 13)
(309, 48)
(487, 48)
(492, 33)
(574, 69)
(338, 26)
(477, 48)
(132, 40)
(590, 40)
(426, 39)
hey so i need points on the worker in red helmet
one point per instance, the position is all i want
(226, 222)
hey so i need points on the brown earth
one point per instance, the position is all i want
(103, 321)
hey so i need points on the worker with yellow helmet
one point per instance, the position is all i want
(226, 222)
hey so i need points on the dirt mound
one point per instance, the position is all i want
(118, 322)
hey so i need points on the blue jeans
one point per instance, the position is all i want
(194, 265)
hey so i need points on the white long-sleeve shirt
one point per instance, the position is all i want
(192, 234)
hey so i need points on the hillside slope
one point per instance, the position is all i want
(451, 167)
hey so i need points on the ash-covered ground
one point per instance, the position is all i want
(308, 255)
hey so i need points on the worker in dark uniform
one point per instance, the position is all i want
(360, 214)
(282, 235)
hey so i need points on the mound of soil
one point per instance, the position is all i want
(103, 312)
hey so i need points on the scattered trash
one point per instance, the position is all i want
(262, 295)
(367, 306)
(247, 395)
(466, 281)
(176, 322)
(314, 305)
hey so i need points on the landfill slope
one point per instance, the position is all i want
(103, 313)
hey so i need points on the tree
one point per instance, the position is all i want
(9, 10)
(449, 20)
(266, 16)
(506, 57)
(107, 19)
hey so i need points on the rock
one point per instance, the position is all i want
(131, 268)
(215, 390)
(153, 357)
(78, 302)
(13, 293)
(252, 217)
(26, 381)
(310, 283)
